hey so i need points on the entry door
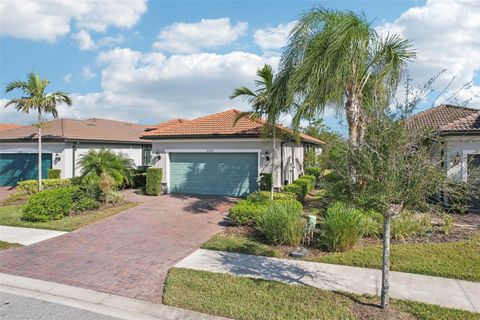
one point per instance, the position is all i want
(226, 174)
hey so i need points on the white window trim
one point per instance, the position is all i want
(168, 151)
(466, 153)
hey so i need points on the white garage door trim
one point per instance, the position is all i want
(168, 151)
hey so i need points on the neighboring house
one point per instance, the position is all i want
(64, 141)
(8, 126)
(458, 143)
(214, 155)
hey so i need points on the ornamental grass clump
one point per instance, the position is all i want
(342, 227)
(282, 223)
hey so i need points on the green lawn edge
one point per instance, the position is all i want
(7, 245)
(11, 216)
(247, 299)
(457, 260)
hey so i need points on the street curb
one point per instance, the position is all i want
(94, 301)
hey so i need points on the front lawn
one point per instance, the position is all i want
(6, 245)
(458, 259)
(11, 216)
(246, 298)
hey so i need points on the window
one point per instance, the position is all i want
(146, 155)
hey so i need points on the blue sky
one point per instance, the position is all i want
(151, 61)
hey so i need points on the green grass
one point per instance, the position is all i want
(246, 298)
(11, 216)
(6, 245)
(240, 244)
(459, 260)
(427, 311)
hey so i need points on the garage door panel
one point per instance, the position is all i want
(16, 167)
(213, 173)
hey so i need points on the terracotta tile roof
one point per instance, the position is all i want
(8, 126)
(447, 118)
(89, 129)
(165, 124)
(220, 124)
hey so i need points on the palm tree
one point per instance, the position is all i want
(264, 106)
(95, 164)
(336, 59)
(36, 99)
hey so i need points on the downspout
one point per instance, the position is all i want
(281, 163)
(74, 148)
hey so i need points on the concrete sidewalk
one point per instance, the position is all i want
(445, 292)
(26, 236)
(94, 301)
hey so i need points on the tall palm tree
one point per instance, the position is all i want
(335, 59)
(36, 99)
(263, 106)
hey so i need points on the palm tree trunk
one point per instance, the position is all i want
(353, 113)
(386, 262)
(40, 187)
(273, 162)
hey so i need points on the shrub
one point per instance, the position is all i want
(85, 197)
(342, 227)
(407, 224)
(53, 173)
(372, 223)
(282, 223)
(246, 212)
(106, 162)
(296, 189)
(305, 184)
(29, 187)
(84, 204)
(314, 171)
(262, 196)
(139, 180)
(312, 180)
(48, 205)
(447, 223)
(154, 181)
(265, 181)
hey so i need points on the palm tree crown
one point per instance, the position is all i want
(95, 163)
(264, 105)
(35, 98)
(336, 59)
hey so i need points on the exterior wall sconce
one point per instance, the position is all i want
(57, 158)
(267, 156)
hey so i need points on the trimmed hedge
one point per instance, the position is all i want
(265, 181)
(296, 189)
(48, 205)
(262, 196)
(153, 185)
(248, 213)
(30, 187)
(301, 187)
(139, 180)
(314, 171)
(54, 173)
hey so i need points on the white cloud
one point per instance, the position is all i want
(52, 19)
(273, 37)
(87, 73)
(84, 40)
(86, 43)
(446, 35)
(152, 87)
(191, 37)
(67, 78)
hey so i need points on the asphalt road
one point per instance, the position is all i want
(13, 307)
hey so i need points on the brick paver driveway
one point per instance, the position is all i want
(127, 254)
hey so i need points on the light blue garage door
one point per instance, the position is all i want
(16, 167)
(226, 174)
